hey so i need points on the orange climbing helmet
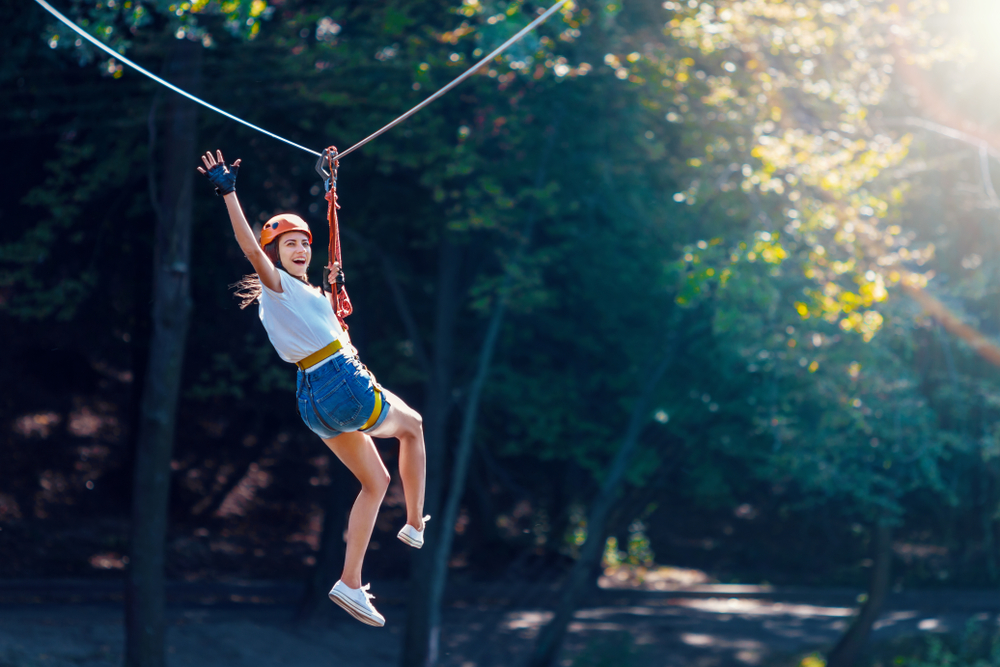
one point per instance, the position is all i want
(281, 223)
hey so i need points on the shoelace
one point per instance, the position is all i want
(364, 589)
(426, 519)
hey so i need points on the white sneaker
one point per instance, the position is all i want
(412, 536)
(356, 602)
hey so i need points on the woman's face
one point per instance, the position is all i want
(295, 253)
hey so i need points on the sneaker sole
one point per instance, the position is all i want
(349, 607)
(406, 539)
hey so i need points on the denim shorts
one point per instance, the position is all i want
(338, 397)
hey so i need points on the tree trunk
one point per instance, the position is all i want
(144, 594)
(550, 639)
(329, 558)
(423, 619)
(463, 453)
(848, 650)
(438, 574)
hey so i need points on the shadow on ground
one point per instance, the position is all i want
(707, 626)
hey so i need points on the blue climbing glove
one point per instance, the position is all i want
(223, 178)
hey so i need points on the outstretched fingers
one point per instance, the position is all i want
(210, 161)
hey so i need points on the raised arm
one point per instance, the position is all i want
(224, 180)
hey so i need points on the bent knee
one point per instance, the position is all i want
(377, 483)
(383, 479)
(414, 429)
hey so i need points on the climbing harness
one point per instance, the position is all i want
(320, 355)
(114, 54)
(376, 410)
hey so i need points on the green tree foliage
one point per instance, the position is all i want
(728, 166)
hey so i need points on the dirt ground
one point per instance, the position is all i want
(703, 626)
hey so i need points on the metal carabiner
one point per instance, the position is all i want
(326, 158)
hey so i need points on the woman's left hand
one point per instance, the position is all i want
(336, 276)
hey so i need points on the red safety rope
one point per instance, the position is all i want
(338, 294)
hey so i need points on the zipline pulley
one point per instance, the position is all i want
(327, 169)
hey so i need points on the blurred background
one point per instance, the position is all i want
(696, 299)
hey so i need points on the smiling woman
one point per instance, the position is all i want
(337, 396)
(287, 242)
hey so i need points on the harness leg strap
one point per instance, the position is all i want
(376, 411)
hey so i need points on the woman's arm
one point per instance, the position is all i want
(248, 244)
(269, 276)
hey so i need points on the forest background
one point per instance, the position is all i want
(658, 280)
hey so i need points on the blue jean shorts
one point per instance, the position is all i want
(338, 397)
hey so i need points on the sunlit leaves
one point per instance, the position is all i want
(782, 95)
(793, 87)
(116, 22)
(491, 23)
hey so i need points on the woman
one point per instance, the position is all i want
(338, 398)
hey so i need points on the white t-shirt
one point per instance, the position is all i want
(299, 320)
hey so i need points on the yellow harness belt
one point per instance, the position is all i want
(327, 352)
(319, 355)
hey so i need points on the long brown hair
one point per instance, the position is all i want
(248, 288)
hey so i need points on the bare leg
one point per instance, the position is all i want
(406, 424)
(358, 453)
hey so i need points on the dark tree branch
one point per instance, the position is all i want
(848, 650)
(551, 637)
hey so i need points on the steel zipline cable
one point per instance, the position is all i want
(114, 54)
(472, 70)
